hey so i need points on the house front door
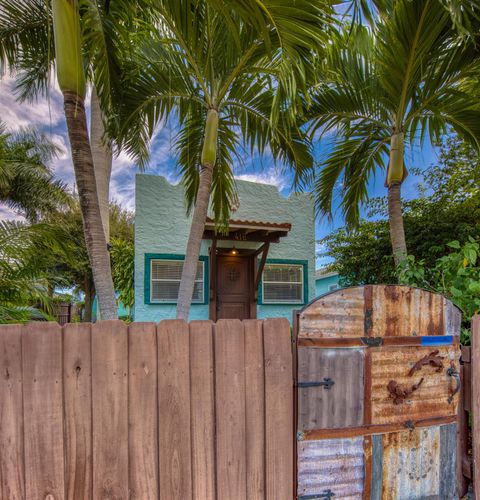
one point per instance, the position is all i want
(234, 285)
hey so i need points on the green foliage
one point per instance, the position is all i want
(26, 180)
(24, 286)
(123, 258)
(455, 275)
(71, 263)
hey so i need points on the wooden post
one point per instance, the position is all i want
(476, 404)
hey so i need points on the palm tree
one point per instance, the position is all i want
(27, 184)
(71, 79)
(27, 48)
(227, 83)
(389, 87)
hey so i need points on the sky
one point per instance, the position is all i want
(47, 116)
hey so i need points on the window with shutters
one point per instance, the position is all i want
(164, 275)
(284, 283)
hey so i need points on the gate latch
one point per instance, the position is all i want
(451, 372)
(327, 384)
(326, 494)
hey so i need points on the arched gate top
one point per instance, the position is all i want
(379, 311)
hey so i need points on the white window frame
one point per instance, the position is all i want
(175, 301)
(287, 301)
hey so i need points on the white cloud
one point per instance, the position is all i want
(270, 176)
(43, 113)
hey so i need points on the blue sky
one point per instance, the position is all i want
(47, 115)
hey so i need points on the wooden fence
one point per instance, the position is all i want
(169, 411)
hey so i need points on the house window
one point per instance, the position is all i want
(283, 283)
(333, 287)
(165, 276)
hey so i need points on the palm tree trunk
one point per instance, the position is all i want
(192, 253)
(89, 293)
(395, 218)
(102, 161)
(87, 190)
(395, 175)
(209, 155)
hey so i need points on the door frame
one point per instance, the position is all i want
(252, 295)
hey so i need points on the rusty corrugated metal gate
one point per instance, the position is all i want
(377, 388)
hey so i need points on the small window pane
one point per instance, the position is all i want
(172, 270)
(282, 292)
(283, 283)
(165, 290)
(289, 274)
(165, 281)
(167, 269)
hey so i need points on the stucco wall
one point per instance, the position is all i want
(322, 284)
(161, 226)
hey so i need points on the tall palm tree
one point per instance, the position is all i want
(389, 88)
(227, 82)
(28, 49)
(71, 80)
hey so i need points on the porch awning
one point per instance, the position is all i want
(248, 230)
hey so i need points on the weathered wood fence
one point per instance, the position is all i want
(470, 405)
(170, 411)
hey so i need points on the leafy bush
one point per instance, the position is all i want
(455, 275)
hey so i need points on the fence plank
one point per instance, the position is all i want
(278, 410)
(475, 363)
(110, 409)
(202, 394)
(77, 383)
(43, 411)
(255, 409)
(174, 406)
(230, 409)
(143, 411)
(12, 465)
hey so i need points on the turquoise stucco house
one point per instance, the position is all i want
(326, 281)
(264, 267)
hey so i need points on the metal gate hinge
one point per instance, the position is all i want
(327, 384)
(372, 341)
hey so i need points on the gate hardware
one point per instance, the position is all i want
(432, 359)
(326, 494)
(451, 372)
(372, 341)
(327, 384)
(399, 393)
(410, 424)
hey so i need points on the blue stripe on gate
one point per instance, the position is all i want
(437, 340)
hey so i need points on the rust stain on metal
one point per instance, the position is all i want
(411, 464)
(402, 311)
(430, 399)
(399, 393)
(337, 465)
(431, 359)
(339, 314)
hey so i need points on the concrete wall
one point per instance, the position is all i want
(161, 226)
(322, 284)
